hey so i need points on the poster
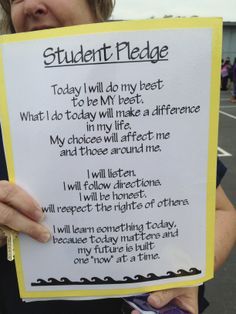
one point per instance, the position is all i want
(113, 128)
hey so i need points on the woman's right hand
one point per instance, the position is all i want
(20, 212)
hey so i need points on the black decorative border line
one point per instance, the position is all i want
(110, 281)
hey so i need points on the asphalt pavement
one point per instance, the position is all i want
(221, 291)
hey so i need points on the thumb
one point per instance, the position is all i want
(159, 299)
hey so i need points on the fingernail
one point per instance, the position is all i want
(36, 204)
(38, 215)
(44, 237)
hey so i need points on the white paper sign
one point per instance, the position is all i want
(111, 132)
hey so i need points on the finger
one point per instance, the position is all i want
(188, 301)
(190, 307)
(135, 312)
(14, 196)
(18, 222)
(159, 299)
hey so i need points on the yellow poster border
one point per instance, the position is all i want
(5, 123)
(215, 24)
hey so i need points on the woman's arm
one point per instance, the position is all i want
(225, 227)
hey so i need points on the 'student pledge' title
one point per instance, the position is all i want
(121, 52)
